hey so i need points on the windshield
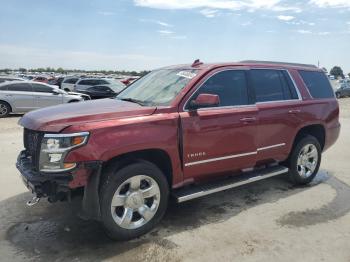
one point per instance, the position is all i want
(159, 87)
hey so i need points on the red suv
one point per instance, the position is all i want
(183, 131)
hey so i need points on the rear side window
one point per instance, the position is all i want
(317, 83)
(87, 82)
(20, 87)
(229, 85)
(271, 85)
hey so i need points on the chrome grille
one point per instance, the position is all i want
(32, 143)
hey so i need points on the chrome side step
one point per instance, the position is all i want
(192, 192)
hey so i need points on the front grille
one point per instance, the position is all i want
(32, 143)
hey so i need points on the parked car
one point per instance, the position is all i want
(69, 82)
(9, 78)
(41, 79)
(85, 83)
(343, 90)
(98, 92)
(56, 81)
(24, 96)
(185, 131)
(129, 80)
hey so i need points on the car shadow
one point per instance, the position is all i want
(55, 232)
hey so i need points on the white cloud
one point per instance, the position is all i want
(285, 17)
(165, 32)
(106, 13)
(331, 3)
(302, 31)
(161, 23)
(209, 13)
(250, 5)
(324, 33)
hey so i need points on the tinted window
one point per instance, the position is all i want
(71, 80)
(317, 83)
(87, 82)
(270, 85)
(102, 82)
(101, 89)
(41, 88)
(3, 87)
(229, 85)
(20, 87)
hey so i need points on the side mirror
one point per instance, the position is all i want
(205, 100)
(56, 92)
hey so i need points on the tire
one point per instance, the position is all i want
(125, 221)
(338, 95)
(304, 161)
(5, 109)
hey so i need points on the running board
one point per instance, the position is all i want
(192, 192)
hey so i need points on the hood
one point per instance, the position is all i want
(56, 118)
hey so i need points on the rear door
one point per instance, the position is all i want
(21, 97)
(222, 138)
(279, 106)
(45, 97)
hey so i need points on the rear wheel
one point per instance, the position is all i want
(305, 160)
(133, 200)
(5, 109)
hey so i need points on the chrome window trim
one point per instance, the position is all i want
(248, 105)
(233, 156)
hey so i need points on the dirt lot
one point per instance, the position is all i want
(266, 221)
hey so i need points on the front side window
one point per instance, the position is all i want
(160, 87)
(229, 85)
(317, 83)
(271, 85)
(71, 80)
(42, 88)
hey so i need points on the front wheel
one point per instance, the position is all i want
(4, 109)
(133, 200)
(305, 160)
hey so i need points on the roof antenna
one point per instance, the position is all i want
(196, 62)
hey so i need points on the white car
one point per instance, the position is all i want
(68, 83)
(24, 96)
(85, 83)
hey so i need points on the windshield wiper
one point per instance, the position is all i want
(132, 100)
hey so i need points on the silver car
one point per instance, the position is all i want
(24, 96)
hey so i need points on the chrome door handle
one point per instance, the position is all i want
(294, 111)
(248, 119)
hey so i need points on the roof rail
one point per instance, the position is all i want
(277, 63)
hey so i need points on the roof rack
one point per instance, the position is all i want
(277, 63)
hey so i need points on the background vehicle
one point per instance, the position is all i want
(8, 78)
(56, 81)
(41, 79)
(186, 131)
(85, 83)
(343, 90)
(97, 92)
(68, 83)
(24, 96)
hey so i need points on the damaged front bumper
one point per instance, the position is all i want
(55, 186)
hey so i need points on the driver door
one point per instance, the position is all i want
(222, 138)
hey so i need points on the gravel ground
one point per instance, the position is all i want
(269, 220)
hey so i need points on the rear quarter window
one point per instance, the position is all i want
(317, 83)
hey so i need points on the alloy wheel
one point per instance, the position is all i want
(307, 160)
(135, 202)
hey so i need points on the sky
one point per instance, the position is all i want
(147, 34)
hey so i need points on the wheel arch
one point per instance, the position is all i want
(316, 130)
(6, 102)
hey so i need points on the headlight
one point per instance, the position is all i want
(55, 147)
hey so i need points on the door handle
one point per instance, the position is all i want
(248, 119)
(294, 111)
